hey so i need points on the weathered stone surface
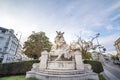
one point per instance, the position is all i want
(61, 65)
(78, 60)
(43, 60)
(42, 76)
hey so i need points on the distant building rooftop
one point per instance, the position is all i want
(117, 41)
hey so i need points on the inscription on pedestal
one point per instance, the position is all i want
(61, 65)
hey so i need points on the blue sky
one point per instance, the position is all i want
(87, 17)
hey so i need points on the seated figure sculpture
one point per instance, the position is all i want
(60, 48)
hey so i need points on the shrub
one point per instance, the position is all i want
(16, 68)
(1, 60)
(17, 78)
(101, 77)
(96, 66)
(31, 78)
(13, 78)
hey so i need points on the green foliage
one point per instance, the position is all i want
(1, 60)
(86, 55)
(13, 78)
(16, 68)
(101, 77)
(35, 44)
(17, 78)
(96, 66)
(115, 57)
(31, 78)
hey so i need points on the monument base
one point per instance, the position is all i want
(45, 76)
(61, 65)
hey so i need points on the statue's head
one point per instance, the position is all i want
(59, 39)
(59, 34)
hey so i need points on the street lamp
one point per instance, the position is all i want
(18, 41)
(97, 35)
(99, 46)
(20, 35)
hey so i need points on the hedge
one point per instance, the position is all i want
(96, 66)
(16, 68)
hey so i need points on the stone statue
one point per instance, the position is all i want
(60, 48)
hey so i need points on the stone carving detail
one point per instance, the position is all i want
(60, 48)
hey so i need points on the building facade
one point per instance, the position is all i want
(8, 45)
(117, 46)
(21, 55)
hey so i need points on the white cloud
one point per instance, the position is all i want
(115, 17)
(111, 28)
(114, 6)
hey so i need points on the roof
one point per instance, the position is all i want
(1, 28)
(117, 41)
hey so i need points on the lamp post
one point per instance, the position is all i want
(99, 54)
(18, 41)
(19, 44)
(99, 47)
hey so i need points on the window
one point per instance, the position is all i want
(2, 31)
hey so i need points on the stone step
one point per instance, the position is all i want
(63, 72)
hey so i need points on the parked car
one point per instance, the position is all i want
(116, 62)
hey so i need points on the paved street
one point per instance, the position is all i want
(111, 71)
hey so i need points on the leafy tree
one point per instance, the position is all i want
(84, 47)
(36, 43)
(115, 57)
(86, 55)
